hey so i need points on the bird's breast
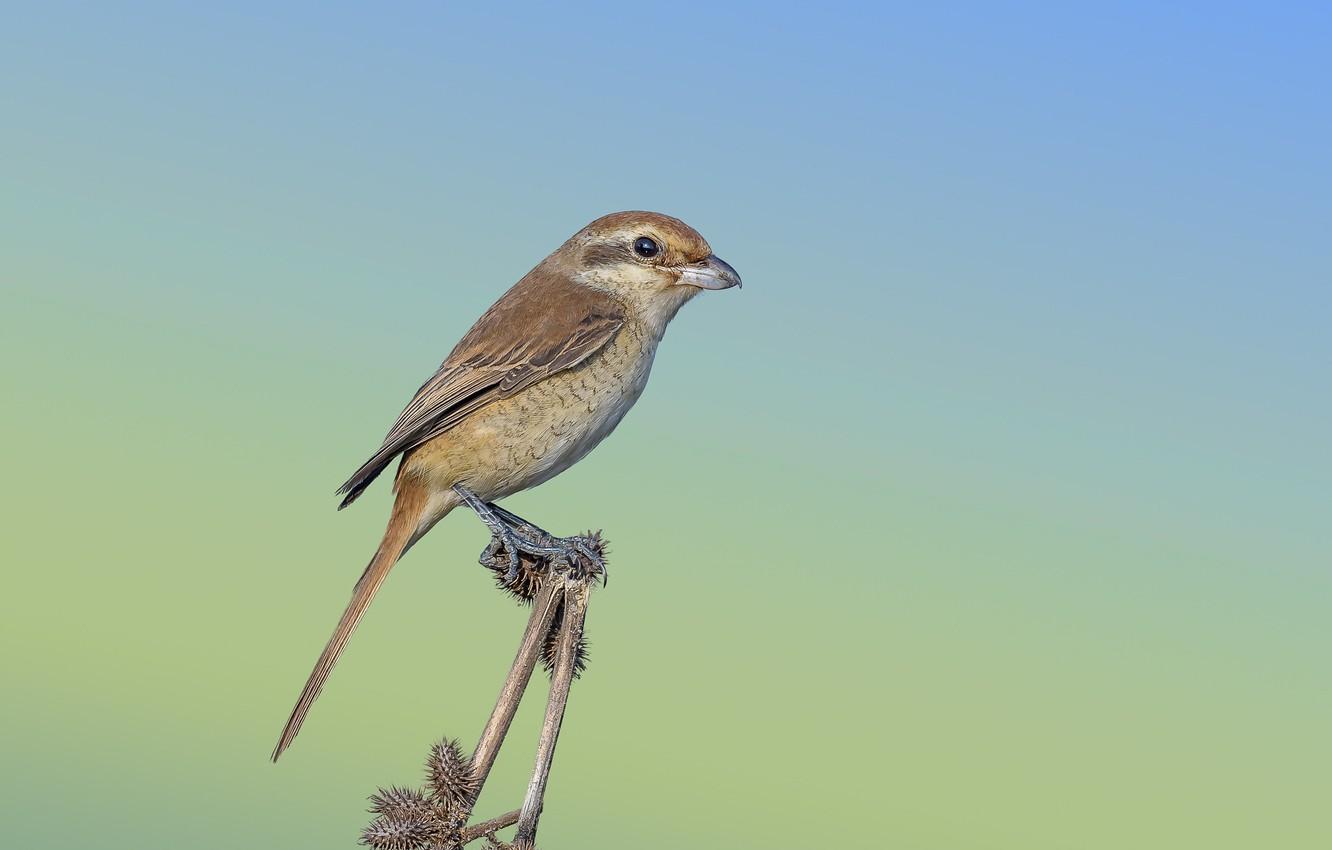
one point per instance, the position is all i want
(521, 441)
(579, 408)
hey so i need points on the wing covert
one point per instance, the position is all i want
(544, 325)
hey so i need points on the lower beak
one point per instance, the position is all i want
(712, 273)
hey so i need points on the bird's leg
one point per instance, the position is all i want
(501, 533)
(569, 549)
(517, 535)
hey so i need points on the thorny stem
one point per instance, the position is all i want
(557, 589)
(538, 625)
(575, 610)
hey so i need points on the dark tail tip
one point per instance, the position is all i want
(288, 735)
(363, 478)
(352, 495)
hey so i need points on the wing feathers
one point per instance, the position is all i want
(545, 324)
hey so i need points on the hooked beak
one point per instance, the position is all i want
(712, 273)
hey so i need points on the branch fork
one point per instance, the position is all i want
(557, 580)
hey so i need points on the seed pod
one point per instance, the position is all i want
(399, 802)
(552, 645)
(398, 833)
(524, 585)
(449, 775)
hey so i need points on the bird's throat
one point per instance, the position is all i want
(658, 312)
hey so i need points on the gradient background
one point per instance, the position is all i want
(992, 513)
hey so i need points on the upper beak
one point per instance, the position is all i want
(712, 273)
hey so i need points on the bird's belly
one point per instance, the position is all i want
(568, 438)
(522, 441)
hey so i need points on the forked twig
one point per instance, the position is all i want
(571, 629)
(437, 818)
(545, 605)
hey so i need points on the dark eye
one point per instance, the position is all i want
(645, 247)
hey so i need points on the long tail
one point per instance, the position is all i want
(407, 514)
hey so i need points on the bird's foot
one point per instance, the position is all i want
(512, 537)
(580, 555)
(501, 536)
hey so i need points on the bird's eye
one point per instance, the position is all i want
(645, 247)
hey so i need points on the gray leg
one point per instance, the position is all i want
(517, 535)
(501, 534)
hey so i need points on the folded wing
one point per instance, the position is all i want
(545, 324)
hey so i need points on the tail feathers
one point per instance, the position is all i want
(403, 523)
(365, 475)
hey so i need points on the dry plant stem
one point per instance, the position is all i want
(486, 827)
(575, 610)
(544, 607)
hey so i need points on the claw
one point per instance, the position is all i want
(578, 554)
(595, 561)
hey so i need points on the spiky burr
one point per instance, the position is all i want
(449, 775)
(552, 642)
(407, 832)
(400, 802)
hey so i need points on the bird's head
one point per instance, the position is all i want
(649, 261)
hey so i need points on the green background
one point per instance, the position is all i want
(992, 513)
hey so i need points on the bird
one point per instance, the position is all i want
(537, 382)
